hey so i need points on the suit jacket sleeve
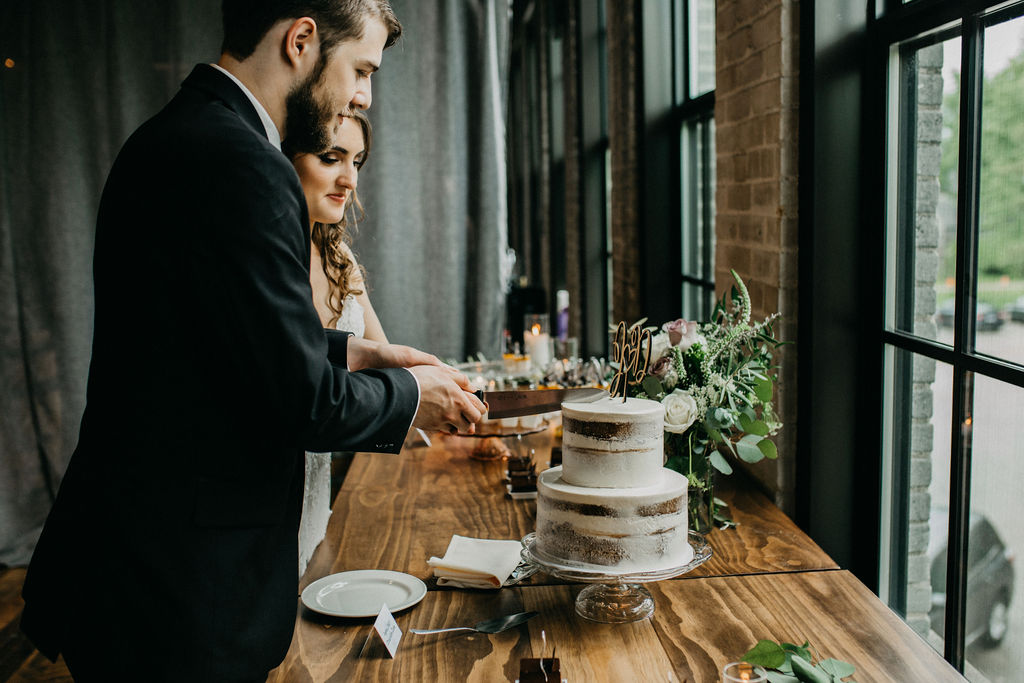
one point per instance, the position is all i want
(259, 264)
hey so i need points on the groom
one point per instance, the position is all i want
(170, 551)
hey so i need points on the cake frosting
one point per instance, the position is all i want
(628, 529)
(613, 443)
(612, 504)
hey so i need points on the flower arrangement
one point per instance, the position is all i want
(716, 381)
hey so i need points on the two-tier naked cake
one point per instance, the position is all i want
(611, 504)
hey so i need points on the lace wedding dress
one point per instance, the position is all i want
(316, 499)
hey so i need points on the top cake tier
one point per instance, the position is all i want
(613, 443)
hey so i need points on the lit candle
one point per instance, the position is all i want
(538, 347)
(742, 672)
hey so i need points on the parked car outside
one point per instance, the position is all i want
(990, 576)
(1015, 311)
(988, 319)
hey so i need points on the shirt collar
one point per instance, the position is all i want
(268, 123)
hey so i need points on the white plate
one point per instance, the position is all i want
(361, 593)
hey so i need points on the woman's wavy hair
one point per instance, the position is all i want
(331, 238)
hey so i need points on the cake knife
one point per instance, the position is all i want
(501, 404)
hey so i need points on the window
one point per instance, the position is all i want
(694, 106)
(954, 352)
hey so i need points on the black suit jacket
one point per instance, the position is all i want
(170, 552)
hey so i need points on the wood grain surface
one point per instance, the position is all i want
(396, 511)
(707, 623)
(698, 627)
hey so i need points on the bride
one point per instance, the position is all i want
(339, 293)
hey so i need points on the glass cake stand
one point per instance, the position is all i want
(615, 597)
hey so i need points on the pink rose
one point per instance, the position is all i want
(661, 367)
(681, 333)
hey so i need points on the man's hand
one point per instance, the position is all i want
(363, 353)
(447, 403)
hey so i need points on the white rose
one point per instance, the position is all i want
(680, 411)
(659, 346)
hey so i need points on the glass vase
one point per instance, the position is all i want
(701, 503)
(696, 467)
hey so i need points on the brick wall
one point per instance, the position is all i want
(756, 196)
(926, 265)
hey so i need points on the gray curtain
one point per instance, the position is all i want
(434, 188)
(85, 75)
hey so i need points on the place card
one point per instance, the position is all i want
(386, 630)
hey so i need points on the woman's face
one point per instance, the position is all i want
(329, 178)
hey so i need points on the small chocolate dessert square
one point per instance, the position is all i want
(530, 671)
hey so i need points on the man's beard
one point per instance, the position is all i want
(310, 122)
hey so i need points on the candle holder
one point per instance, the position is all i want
(537, 343)
(741, 672)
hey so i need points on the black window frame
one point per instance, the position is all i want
(912, 26)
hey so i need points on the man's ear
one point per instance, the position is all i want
(302, 44)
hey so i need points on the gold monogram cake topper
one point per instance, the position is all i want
(631, 349)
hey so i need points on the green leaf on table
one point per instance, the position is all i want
(837, 668)
(779, 677)
(801, 650)
(719, 462)
(768, 448)
(763, 389)
(807, 672)
(748, 449)
(766, 654)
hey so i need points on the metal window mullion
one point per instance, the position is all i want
(707, 185)
(968, 181)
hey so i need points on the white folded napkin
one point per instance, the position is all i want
(476, 562)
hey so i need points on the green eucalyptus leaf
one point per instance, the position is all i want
(652, 386)
(837, 668)
(766, 654)
(763, 389)
(808, 673)
(748, 450)
(758, 427)
(677, 463)
(745, 421)
(719, 462)
(779, 677)
(768, 448)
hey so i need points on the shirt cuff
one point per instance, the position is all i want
(418, 395)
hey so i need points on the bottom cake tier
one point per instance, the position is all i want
(624, 529)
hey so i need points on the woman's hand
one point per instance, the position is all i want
(363, 354)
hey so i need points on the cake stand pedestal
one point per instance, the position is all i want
(615, 597)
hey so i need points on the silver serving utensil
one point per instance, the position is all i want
(490, 626)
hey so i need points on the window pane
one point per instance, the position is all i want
(697, 173)
(918, 426)
(995, 611)
(1001, 200)
(924, 245)
(702, 46)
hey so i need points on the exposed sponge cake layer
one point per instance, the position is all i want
(625, 529)
(613, 443)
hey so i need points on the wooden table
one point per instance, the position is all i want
(698, 627)
(395, 511)
(766, 579)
